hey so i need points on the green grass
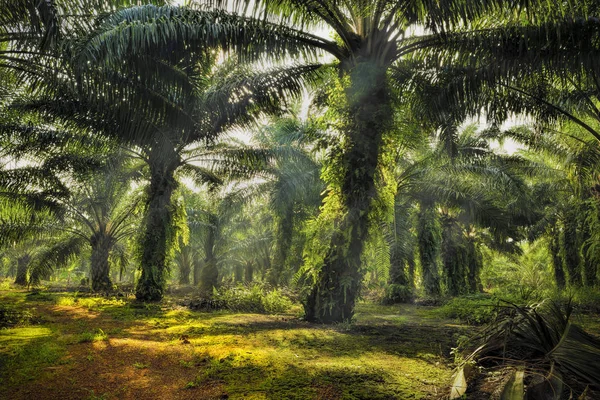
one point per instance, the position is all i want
(98, 335)
(397, 351)
(25, 351)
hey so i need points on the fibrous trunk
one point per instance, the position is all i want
(454, 257)
(572, 258)
(158, 228)
(475, 264)
(209, 275)
(401, 250)
(197, 272)
(589, 261)
(398, 275)
(368, 117)
(101, 245)
(285, 230)
(428, 239)
(22, 267)
(185, 267)
(554, 247)
(249, 272)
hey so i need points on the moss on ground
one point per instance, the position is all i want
(96, 347)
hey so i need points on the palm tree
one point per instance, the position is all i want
(466, 195)
(290, 180)
(92, 215)
(372, 38)
(170, 114)
(565, 188)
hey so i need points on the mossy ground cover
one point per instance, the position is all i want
(101, 348)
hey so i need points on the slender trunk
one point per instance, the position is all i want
(101, 245)
(184, 271)
(572, 259)
(589, 263)
(454, 257)
(209, 276)
(428, 239)
(158, 235)
(554, 247)
(285, 231)
(368, 117)
(197, 272)
(185, 262)
(474, 266)
(249, 272)
(238, 273)
(22, 267)
(398, 262)
(184, 274)
(410, 261)
(401, 249)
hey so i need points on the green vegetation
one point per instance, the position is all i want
(361, 185)
(241, 355)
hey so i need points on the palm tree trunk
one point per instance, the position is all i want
(428, 239)
(101, 245)
(238, 273)
(554, 247)
(285, 231)
(184, 271)
(22, 267)
(572, 258)
(197, 272)
(209, 276)
(589, 264)
(158, 233)
(453, 257)
(367, 117)
(474, 266)
(249, 272)
(398, 274)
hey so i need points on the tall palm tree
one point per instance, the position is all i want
(372, 38)
(290, 178)
(565, 186)
(466, 195)
(168, 108)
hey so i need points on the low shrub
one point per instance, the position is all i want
(10, 317)
(473, 310)
(245, 299)
(395, 294)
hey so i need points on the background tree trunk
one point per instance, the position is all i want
(557, 262)
(428, 239)
(474, 266)
(22, 267)
(570, 242)
(249, 272)
(100, 269)
(209, 275)
(454, 257)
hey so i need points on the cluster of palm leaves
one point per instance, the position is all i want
(382, 152)
(556, 357)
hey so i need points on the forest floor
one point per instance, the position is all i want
(69, 347)
(99, 348)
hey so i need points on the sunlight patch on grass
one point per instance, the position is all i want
(24, 351)
(248, 356)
